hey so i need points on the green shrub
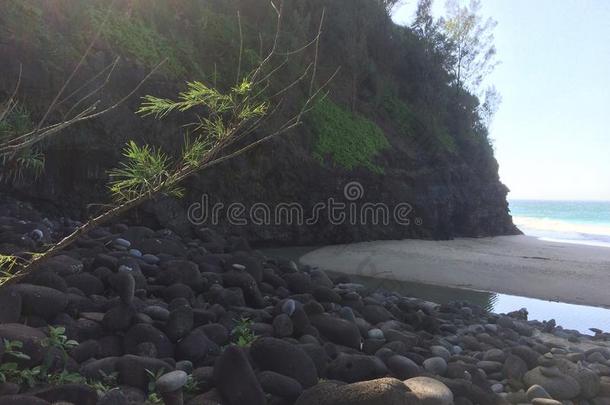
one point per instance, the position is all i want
(27, 23)
(415, 125)
(350, 140)
(144, 43)
(401, 115)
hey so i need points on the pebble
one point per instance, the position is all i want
(497, 388)
(375, 333)
(135, 253)
(288, 307)
(122, 243)
(150, 259)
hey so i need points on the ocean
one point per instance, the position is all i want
(581, 222)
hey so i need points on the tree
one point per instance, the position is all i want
(424, 25)
(487, 110)
(390, 5)
(471, 43)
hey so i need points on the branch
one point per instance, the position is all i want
(10, 104)
(88, 113)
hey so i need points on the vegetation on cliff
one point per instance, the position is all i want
(424, 64)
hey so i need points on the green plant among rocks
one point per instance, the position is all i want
(105, 383)
(242, 334)
(191, 387)
(154, 399)
(9, 370)
(57, 342)
(58, 339)
(153, 377)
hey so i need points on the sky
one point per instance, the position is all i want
(551, 134)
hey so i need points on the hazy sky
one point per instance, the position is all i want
(552, 132)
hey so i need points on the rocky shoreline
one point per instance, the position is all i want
(132, 315)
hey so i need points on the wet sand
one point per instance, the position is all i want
(518, 265)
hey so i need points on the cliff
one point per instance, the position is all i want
(392, 132)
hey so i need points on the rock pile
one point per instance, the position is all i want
(208, 320)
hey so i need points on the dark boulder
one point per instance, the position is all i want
(180, 323)
(248, 286)
(72, 393)
(47, 279)
(30, 338)
(282, 326)
(375, 314)
(402, 367)
(299, 283)
(319, 356)
(41, 301)
(125, 285)
(85, 282)
(113, 397)
(10, 305)
(235, 379)
(326, 294)
(216, 333)
(178, 290)
(356, 367)
(118, 318)
(337, 330)
(195, 347)
(280, 385)
(252, 264)
(22, 400)
(147, 333)
(86, 350)
(285, 358)
(97, 369)
(134, 370)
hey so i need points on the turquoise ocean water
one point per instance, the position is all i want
(582, 222)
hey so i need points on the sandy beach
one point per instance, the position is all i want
(519, 265)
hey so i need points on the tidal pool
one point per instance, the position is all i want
(569, 316)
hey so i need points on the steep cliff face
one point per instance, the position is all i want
(403, 166)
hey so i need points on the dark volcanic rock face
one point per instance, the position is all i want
(450, 195)
(448, 192)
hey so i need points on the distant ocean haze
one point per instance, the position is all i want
(581, 222)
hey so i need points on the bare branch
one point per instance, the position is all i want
(88, 113)
(10, 104)
(76, 69)
(315, 62)
(241, 48)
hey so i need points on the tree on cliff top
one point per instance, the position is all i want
(472, 44)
